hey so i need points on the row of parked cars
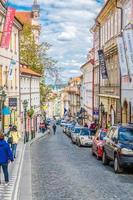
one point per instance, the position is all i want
(114, 144)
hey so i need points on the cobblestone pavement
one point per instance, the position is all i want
(63, 171)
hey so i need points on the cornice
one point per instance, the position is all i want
(105, 12)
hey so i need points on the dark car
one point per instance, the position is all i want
(58, 122)
(118, 147)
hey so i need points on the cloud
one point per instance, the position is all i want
(66, 25)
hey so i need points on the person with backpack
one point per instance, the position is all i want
(14, 134)
(5, 156)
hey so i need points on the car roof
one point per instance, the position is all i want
(79, 127)
(130, 125)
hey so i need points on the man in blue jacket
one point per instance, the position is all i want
(5, 156)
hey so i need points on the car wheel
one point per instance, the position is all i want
(79, 144)
(72, 141)
(92, 152)
(105, 160)
(97, 156)
(117, 167)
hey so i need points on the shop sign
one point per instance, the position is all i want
(122, 56)
(11, 70)
(96, 112)
(12, 102)
(7, 30)
(102, 63)
(128, 38)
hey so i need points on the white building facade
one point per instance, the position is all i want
(10, 84)
(30, 91)
(87, 70)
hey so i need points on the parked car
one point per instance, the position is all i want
(118, 147)
(84, 138)
(69, 128)
(74, 132)
(98, 142)
(58, 122)
(65, 127)
(63, 122)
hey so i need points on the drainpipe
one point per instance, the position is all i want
(120, 8)
(99, 25)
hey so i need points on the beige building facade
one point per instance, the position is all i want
(109, 22)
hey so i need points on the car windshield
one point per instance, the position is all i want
(77, 130)
(92, 132)
(102, 135)
(85, 132)
(126, 134)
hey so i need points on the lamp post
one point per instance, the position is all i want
(2, 100)
(102, 111)
(25, 105)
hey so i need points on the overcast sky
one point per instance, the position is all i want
(66, 25)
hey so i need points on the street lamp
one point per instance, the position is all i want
(2, 102)
(25, 105)
(102, 111)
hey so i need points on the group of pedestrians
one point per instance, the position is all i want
(8, 150)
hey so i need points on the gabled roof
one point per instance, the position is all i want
(24, 17)
(27, 71)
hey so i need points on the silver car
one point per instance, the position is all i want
(85, 137)
(75, 131)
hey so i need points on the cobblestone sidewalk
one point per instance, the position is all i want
(6, 192)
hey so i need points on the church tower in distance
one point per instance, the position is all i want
(35, 20)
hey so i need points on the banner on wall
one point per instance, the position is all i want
(128, 39)
(11, 70)
(122, 57)
(102, 63)
(7, 30)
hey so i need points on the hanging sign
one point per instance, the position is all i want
(128, 39)
(7, 30)
(102, 63)
(122, 56)
(12, 102)
(11, 70)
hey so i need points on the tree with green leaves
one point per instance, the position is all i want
(35, 55)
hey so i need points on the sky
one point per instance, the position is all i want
(66, 26)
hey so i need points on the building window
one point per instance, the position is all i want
(15, 78)
(15, 42)
(106, 32)
(6, 77)
(112, 26)
(11, 47)
(115, 23)
(0, 75)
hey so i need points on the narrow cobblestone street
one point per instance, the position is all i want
(63, 171)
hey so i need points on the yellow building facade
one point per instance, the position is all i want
(109, 22)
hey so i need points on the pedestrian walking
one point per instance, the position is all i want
(86, 125)
(54, 125)
(5, 156)
(54, 128)
(14, 134)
